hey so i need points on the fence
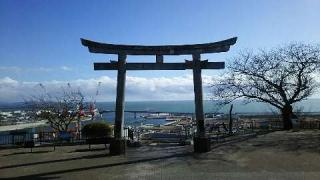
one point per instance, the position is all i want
(301, 124)
(15, 138)
(239, 127)
(310, 124)
(20, 137)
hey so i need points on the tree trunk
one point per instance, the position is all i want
(286, 117)
(230, 119)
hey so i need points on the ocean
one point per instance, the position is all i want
(311, 105)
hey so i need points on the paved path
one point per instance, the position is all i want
(278, 155)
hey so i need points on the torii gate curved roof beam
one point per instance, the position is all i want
(104, 48)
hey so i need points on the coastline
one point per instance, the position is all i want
(22, 126)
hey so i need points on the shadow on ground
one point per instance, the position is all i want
(292, 141)
(42, 176)
(55, 161)
(34, 152)
(88, 150)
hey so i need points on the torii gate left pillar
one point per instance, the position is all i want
(201, 141)
(118, 145)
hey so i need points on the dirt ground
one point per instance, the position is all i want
(277, 155)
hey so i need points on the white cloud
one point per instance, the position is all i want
(65, 68)
(13, 69)
(8, 82)
(42, 69)
(8, 89)
(16, 69)
(137, 88)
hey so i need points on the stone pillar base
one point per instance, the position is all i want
(201, 144)
(118, 146)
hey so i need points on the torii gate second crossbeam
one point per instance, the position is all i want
(201, 141)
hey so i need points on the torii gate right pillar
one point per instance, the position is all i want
(201, 141)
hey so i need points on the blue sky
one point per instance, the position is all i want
(40, 40)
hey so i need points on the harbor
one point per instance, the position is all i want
(158, 127)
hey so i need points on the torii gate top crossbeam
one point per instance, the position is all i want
(104, 48)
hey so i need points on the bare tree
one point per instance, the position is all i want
(279, 77)
(230, 120)
(60, 109)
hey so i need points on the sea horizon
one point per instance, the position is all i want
(187, 106)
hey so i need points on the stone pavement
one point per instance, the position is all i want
(278, 155)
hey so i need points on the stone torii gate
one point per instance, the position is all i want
(201, 141)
